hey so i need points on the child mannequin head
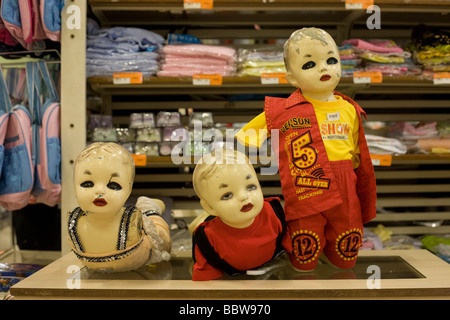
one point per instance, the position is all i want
(312, 62)
(227, 186)
(103, 178)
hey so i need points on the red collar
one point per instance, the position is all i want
(295, 98)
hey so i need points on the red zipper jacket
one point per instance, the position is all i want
(307, 180)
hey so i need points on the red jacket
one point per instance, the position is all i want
(307, 180)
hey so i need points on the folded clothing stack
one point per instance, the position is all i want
(254, 62)
(185, 60)
(350, 60)
(421, 137)
(383, 145)
(431, 47)
(121, 49)
(383, 56)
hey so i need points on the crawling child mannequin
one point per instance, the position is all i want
(103, 234)
(246, 230)
(327, 177)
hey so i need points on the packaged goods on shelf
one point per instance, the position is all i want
(431, 47)
(383, 56)
(413, 130)
(421, 137)
(189, 59)
(350, 60)
(101, 129)
(168, 119)
(204, 119)
(121, 49)
(138, 120)
(254, 62)
(383, 145)
(150, 149)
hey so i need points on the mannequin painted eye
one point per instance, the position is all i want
(114, 186)
(227, 196)
(332, 60)
(309, 65)
(251, 187)
(87, 184)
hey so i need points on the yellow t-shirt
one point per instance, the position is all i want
(338, 125)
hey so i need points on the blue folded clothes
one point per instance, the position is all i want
(133, 37)
(121, 49)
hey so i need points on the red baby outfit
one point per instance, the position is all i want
(326, 202)
(243, 249)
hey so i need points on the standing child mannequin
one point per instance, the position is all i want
(103, 234)
(326, 174)
(247, 230)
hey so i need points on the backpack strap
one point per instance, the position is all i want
(201, 240)
(279, 212)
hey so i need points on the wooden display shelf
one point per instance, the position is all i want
(426, 276)
(392, 5)
(238, 85)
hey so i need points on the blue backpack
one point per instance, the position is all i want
(17, 173)
(46, 136)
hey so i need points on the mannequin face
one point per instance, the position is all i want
(314, 67)
(234, 195)
(102, 184)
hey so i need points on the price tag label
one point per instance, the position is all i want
(127, 77)
(381, 160)
(207, 79)
(358, 4)
(441, 78)
(273, 78)
(367, 77)
(140, 160)
(198, 4)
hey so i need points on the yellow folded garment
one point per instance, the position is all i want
(260, 64)
(256, 72)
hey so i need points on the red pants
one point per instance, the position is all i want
(337, 232)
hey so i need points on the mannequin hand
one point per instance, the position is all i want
(145, 204)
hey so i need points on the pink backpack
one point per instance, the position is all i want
(22, 19)
(47, 144)
(17, 174)
(51, 18)
(5, 35)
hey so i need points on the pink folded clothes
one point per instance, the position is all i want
(376, 46)
(201, 50)
(408, 130)
(186, 71)
(179, 59)
(193, 66)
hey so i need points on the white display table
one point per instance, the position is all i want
(385, 274)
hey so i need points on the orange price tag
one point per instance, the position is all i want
(207, 79)
(127, 77)
(381, 160)
(367, 77)
(441, 78)
(273, 78)
(198, 4)
(358, 4)
(140, 160)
